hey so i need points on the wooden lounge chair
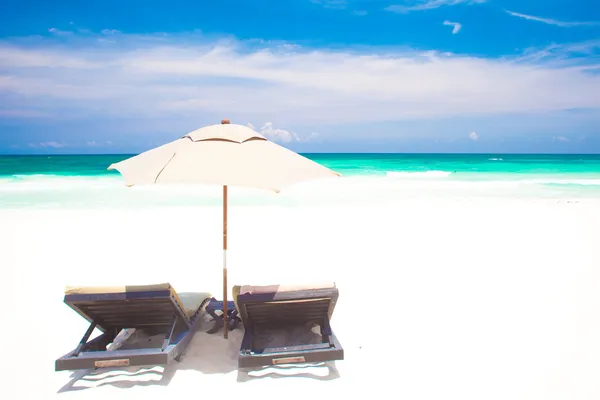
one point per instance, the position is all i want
(165, 320)
(287, 324)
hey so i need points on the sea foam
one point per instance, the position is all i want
(110, 191)
(418, 174)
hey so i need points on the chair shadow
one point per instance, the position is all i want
(207, 354)
(101, 377)
(275, 372)
(289, 336)
(198, 356)
(212, 354)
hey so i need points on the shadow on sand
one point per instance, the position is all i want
(207, 354)
(121, 378)
(322, 371)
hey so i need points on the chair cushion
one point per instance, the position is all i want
(191, 301)
(249, 289)
(116, 289)
(188, 301)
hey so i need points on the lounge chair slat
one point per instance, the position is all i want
(160, 311)
(263, 313)
(304, 347)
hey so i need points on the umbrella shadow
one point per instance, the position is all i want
(212, 353)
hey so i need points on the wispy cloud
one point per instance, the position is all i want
(473, 136)
(54, 145)
(22, 113)
(98, 143)
(549, 21)
(110, 31)
(23, 57)
(336, 4)
(422, 5)
(456, 26)
(178, 78)
(560, 139)
(582, 53)
(59, 32)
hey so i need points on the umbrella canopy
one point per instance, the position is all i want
(225, 155)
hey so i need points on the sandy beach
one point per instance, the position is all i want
(439, 299)
(437, 160)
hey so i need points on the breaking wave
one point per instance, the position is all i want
(418, 175)
(49, 191)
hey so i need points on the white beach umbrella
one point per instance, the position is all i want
(224, 155)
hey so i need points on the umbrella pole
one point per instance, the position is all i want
(225, 324)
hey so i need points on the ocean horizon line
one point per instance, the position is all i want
(325, 153)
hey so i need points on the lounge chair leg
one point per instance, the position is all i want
(169, 334)
(326, 332)
(84, 339)
(233, 320)
(247, 342)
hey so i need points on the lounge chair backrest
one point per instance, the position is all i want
(273, 307)
(128, 308)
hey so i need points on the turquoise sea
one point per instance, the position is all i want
(83, 180)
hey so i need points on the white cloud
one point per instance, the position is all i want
(313, 136)
(54, 145)
(110, 31)
(560, 139)
(277, 135)
(282, 135)
(21, 57)
(429, 5)
(456, 26)
(550, 21)
(582, 53)
(16, 113)
(336, 4)
(93, 143)
(134, 77)
(59, 32)
(473, 136)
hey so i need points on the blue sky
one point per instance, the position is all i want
(315, 75)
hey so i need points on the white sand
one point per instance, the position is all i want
(479, 299)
